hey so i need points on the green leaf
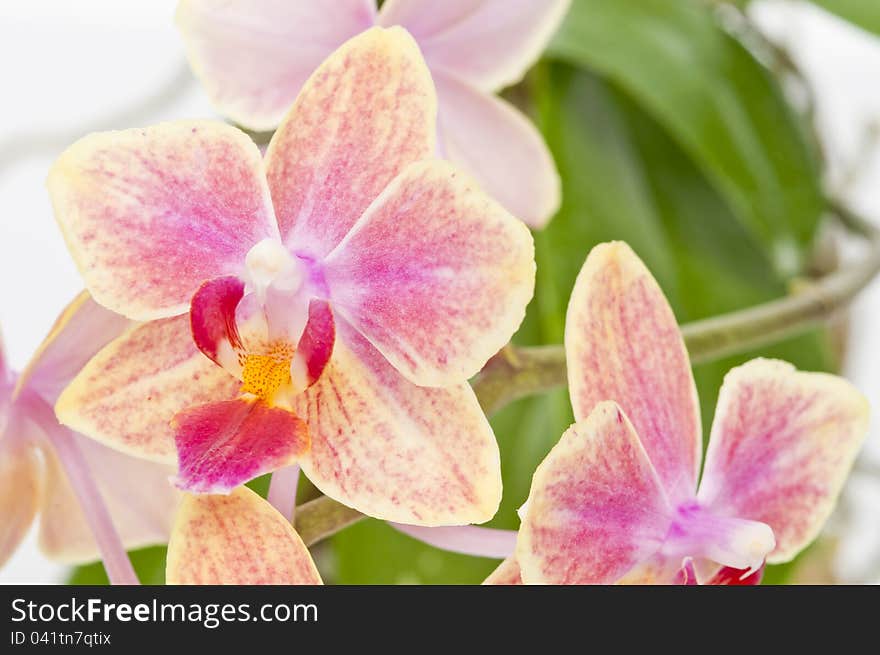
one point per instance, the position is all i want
(717, 101)
(864, 13)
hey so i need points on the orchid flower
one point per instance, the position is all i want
(340, 294)
(238, 539)
(254, 56)
(72, 481)
(616, 500)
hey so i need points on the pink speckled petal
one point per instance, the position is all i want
(149, 214)
(253, 56)
(490, 139)
(396, 451)
(490, 43)
(436, 275)
(366, 113)
(82, 329)
(223, 445)
(237, 539)
(21, 485)
(212, 319)
(781, 447)
(126, 396)
(138, 494)
(596, 507)
(623, 344)
(507, 573)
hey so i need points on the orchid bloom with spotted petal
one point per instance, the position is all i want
(253, 56)
(236, 539)
(340, 294)
(35, 453)
(617, 500)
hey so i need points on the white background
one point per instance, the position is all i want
(72, 67)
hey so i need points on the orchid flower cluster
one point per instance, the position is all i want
(321, 307)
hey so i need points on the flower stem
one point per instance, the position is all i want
(517, 372)
(323, 517)
(116, 562)
(282, 490)
(466, 539)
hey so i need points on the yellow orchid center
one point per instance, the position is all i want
(263, 374)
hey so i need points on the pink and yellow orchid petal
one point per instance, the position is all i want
(149, 214)
(507, 573)
(436, 275)
(213, 320)
(623, 344)
(363, 116)
(597, 507)
(396, 451)
(490, 139)
(489, 43)
(781, 447)
(253, 56)
(82, 329)
(126, 396)
(138, 495)
(238, 539)
(21, 483)
(223, 445)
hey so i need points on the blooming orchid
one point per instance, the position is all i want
(46, 469)
(324, 306)
(617, 501)
(254, 56)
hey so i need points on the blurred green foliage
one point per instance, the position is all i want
(715, 99)
(669, 135)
